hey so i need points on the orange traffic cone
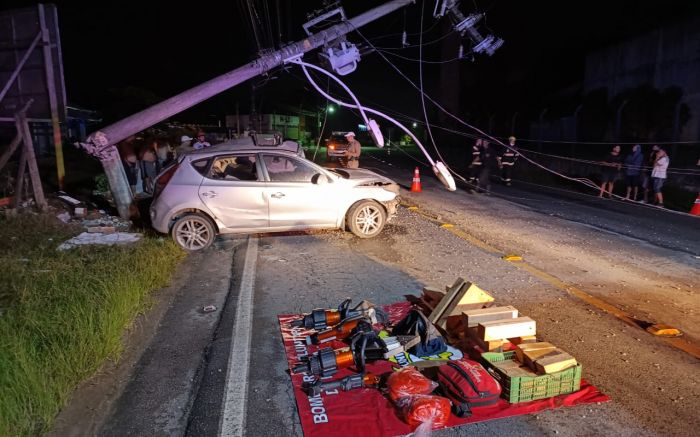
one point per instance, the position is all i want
(695, 210)
(415, 186)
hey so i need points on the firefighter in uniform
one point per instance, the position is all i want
(352, 154)
(475, 164)
(507, 160)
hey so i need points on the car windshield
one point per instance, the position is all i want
(339, 172)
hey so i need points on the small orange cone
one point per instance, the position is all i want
(695, 210)
(415, 186)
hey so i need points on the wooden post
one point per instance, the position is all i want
(53, 99)
(10, 150)
(28, 151)
(19, 184)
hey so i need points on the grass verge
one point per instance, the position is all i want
(62, 314)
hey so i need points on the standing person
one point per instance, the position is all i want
(164, 153)
(611, 168)
(131, 167)
(353, 152)
(475, 164)
(658, 175)
(185, 145)
(633, 169)
(646, 173)
(201, 141)
(488, 161)
(149, 163)
(506, 161)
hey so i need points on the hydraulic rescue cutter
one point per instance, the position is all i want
(322, 318)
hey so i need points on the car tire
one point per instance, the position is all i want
(366, 219)
(193, 232)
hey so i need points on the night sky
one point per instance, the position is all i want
(150, 50)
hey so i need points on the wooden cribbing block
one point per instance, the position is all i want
(513, 369)
(500, 329)
(432, 295)
(462, 307)
(527, 353)
(486, 346)
(524, 339)
(475, 295)
(462, 296)
(555, 361)
(474, 317)
(453, 293)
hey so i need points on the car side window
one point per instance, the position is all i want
(234, 168)
(285, 169)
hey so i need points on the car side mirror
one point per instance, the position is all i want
(319, 179)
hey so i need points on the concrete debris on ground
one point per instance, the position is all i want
(64, 217)
(106, 221)
(100, 238)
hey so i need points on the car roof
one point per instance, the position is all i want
(247, 143)
(224, 148)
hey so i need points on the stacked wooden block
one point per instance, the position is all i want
(464, 312)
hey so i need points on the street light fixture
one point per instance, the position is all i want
(331, 109)
(415, 125)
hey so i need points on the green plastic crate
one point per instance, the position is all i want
(531, 388)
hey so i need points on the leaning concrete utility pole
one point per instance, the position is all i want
(102, 143)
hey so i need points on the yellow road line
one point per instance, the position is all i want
(677, 342)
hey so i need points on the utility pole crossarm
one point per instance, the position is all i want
(161, 111)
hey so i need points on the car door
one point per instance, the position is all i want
(295, 201)
(234, 191)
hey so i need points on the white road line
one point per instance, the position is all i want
(236, 388)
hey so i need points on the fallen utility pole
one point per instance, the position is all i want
(101, 144)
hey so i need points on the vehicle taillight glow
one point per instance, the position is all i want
(163, 179)
(332, 147)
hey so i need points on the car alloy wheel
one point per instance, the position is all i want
(366, 219)
(193, 232)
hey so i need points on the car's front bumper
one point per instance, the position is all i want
(391, 207)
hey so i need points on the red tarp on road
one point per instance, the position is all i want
(366, 412)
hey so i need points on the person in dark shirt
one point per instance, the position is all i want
(488, 158)
(611, 168)
(633, 169)
(475, 163)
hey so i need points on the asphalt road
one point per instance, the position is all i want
(634, 258)
(658, 226)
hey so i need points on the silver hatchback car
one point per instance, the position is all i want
(230, 189)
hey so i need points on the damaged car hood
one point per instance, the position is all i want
(361, 176)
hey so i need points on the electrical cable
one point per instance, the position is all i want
(419, 60)
(420, 76)
(304, 66)
(409, 34)
(584, 181)
(422, 94)
(325, 117)
(671, 170)
(416, 45)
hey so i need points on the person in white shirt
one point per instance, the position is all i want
(201, 142)
(658, 175)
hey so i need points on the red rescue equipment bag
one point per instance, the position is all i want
(468, 385)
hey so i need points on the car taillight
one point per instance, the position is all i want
(163, 179)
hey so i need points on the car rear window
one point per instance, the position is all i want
(201, 165)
